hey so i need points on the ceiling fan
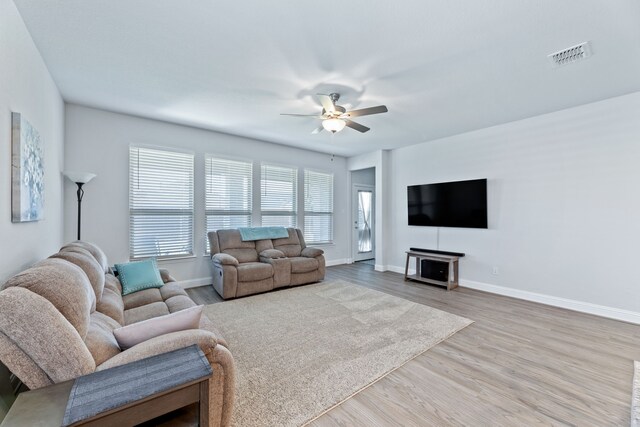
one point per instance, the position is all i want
(335, 117)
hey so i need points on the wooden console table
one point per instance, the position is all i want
(452, 261)
(133, 393)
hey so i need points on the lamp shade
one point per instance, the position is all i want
(334, 125)
(80, 177)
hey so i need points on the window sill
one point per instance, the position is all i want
(170, 260)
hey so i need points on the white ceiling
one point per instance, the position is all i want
(441, 67)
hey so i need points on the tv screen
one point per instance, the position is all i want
(449, 204)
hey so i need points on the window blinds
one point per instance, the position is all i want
(228, 193)
(160, 203)
(279, 188)
(318, 207)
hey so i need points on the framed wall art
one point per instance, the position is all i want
(27, 171)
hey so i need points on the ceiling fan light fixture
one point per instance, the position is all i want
(334, 125)
(336, 117)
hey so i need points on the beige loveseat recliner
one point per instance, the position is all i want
(245, 268)
(57, 320)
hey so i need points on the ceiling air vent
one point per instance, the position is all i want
(571, 54)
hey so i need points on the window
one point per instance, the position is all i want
(160, 203)
(279, 188)
(318, 207)
(228, 193)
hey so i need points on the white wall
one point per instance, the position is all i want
(98, 141)
(27, 87)
(364, 177)
(563, 200)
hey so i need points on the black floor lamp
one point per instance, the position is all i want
(80, 178)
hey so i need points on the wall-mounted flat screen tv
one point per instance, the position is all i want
(449, 204)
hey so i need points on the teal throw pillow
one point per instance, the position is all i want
(138, 275)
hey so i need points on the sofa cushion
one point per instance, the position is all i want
(138, 275)
(44, 335)
(230, 239)
(171, 290)
(291, 246)
(231, 243)
(143, 297)
(97, 253)
(252, 271)
(250, 288)
(243, 255)
(100, 339)
(165, 276)
(272, 254)
(64, 285)
(89, 265)
(224, 259)
(112, 305)
(20, 363)
(305, 278)
(112, 282)
(145, 312)
(311, 252)
(77, 249)
(303, 265)
(183, 320)
(263, 245)
(214, 245)
(179, 302)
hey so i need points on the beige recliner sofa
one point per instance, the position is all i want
(57, 320)
(246, 268)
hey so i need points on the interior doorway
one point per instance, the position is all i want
(363, 222)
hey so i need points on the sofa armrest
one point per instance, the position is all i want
(166, 277)
(225, 259)
(221, 385)
(272, 254)
(311, 252)
(162, 344)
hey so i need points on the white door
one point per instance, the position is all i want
(363, 222)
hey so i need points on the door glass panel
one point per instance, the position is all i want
(364, 221)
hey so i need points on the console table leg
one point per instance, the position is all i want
(203, 409)
(455, 274)
(406, 268)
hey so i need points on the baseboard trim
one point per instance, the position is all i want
(194, 283)
(338, 261)
(569, 304)
(397, 269)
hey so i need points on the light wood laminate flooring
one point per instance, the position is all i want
(520, 364)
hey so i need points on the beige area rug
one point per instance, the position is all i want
(301, 351)
(635, 396)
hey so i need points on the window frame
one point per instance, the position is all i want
(250, 213)
(160, 212)
(295, 214)
(307, 213)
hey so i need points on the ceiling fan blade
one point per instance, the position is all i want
(356, 126)
(366, 111)
(302, 115)
(326, 102)
(317, 130)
